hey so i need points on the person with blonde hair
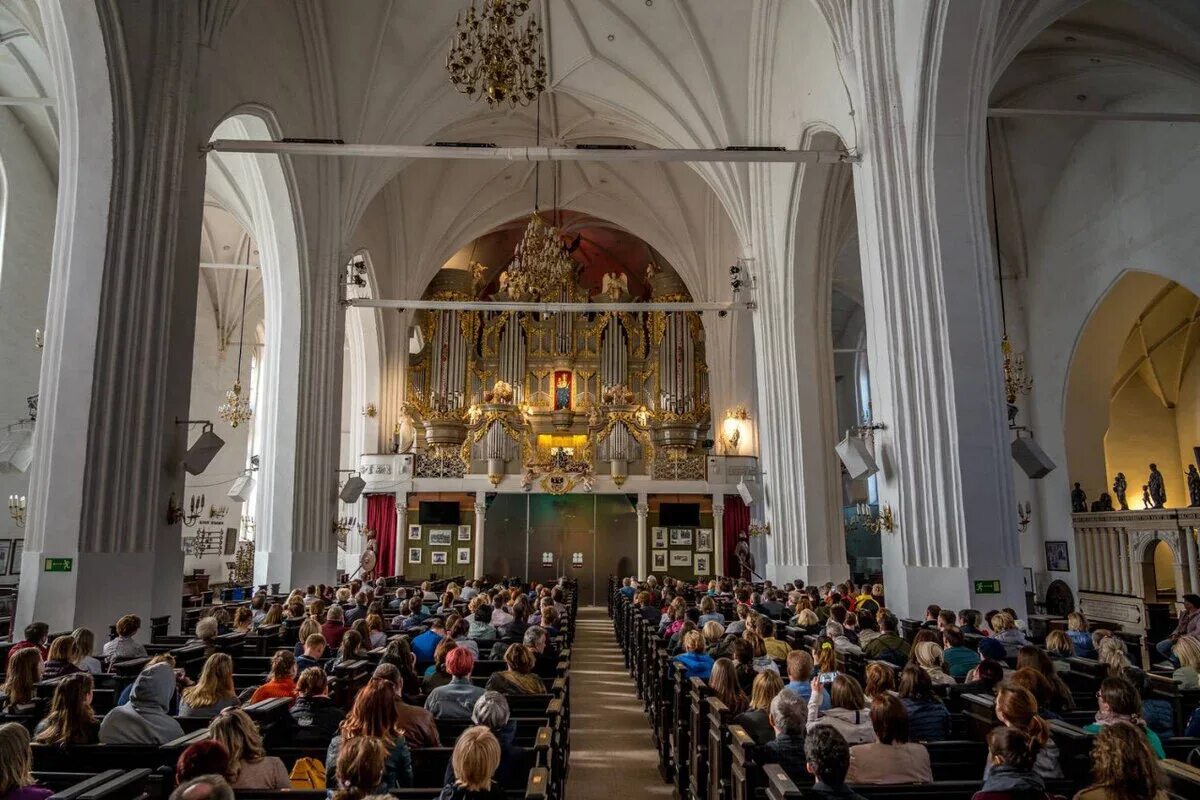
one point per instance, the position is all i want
(307, 628)
(755, 719)
(848, 712)
(16, 765)
(1187, 652)
(214, 692)
(1124, 767)
(249, 765)
(519, 677)
(360, 767)
(1111, 652)
(1059, 648)
(709, 613)
(881, 679)
(61, 659)
(1081, 638)
(1005, 631)
(474, 761)
(928, 656)
(85, 643)
(20, 682)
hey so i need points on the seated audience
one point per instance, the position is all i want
(145, 719)
(742, 654)
(1059, 648)
(1081, 638)
(71, 719)
(457, 698)
(474, 761)
(85, 643)
(893, 759)
(492, 712)
(775, 647)
(1188, 625)
(249, 765)
(437, 675)
(400, 655)
(16, 763)
(335, 627)
(956, 656)
(888, 645)
(1054, 698)
(19, 692)
(418, 725)
(1157, 712)
(214, 692)
(709, 613)
(317, 717)
(375, 635)
(827, 759)
(847, 712)
(307, 628)
(1124, 767)
(1187, 653)
(787, 717)
(424, 644)
(351, 650)
(375, 714)
(1017, 708)
(1120, 704)
(696, 662)
(314, 651)
(205, 757)
(243, 622)
(716, 643)
(519, 677)
(61, 659)
(207, 631)
(928, 656)
(928, 719)
(755, 718)
(970, 622)
(545, 655)
(124, 648)
(825, 659)
(840, 635)
(360, 768)
(724, 684)
(984, 678)
(415, 617)
(282, 682)
(480, 629)
(35, 639)
(762, 662)
(1010, 772)
(1111, 651)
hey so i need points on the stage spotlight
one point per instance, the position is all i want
(200, 454)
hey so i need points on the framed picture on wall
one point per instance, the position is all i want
(5, 552)
(681, 537)
(414, 533)
(464, 555)
(1057, 557)
(440, 537)
(464, 534)
(704, 540)
(702, 564)
(1027, 578)
(658, 560)
(14, 559)
(438, 557)
(414, 555)
(681, 558)
(230, 541)
(660, 538)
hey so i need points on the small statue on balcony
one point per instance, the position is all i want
(1146, 502)
(1158, 489)
(1120, 486)
(1193, 482)
(1104, 503)
(1078, 500)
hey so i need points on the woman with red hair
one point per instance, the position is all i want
(455, 700)
(375, 713)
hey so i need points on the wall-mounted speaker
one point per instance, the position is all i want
(200, 454)
(352, 490)
(240, 489)
(856, 457)
(1031, 458)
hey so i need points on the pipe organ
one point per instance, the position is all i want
(525, 394)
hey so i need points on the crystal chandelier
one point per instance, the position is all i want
(1016, 379)
(540, 265)
(236, 409)
(493, 58)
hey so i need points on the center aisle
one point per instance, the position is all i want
(612, 754)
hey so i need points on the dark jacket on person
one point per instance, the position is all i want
(1008, 783)
(57, 669)
(824, 791)
(513, 772)
(397, 769)
(745, 675)
(887, 647)
(419, 726)
(453, 792)
(928, 720)
(787, 750)
(757, 725)
(651, 614)
(317, 718)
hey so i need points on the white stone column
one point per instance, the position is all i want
(1108, 554)
(401, 533)
(1126, 562)
(718, 560)
(480, 520)
(643, 510)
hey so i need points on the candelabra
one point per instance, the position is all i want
(759, 529)
(1024, 516)
(195, 506)
(241, 569)
(248, 528)
(881, 521)
(342, 528)
(16, 509)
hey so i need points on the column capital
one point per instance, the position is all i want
(643, 509)
(480, 509)
(718, 510)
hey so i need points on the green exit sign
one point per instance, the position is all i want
(57, 564)
(987, 587)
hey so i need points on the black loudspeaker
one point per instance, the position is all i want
(352, 489)
(1031, 458)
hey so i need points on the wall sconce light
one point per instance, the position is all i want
(882, 521)
(370, 411)
(39, 341)
(16, 509)
(1024, 516)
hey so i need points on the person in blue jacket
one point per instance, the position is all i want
(696, 662)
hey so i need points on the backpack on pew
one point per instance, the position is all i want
(308, 774)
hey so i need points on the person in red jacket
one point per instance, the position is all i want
(35, 636)
(334, 627)
(283, 678)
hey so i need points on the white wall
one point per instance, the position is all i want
(29, 196)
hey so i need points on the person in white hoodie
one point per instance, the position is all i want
(847, 713)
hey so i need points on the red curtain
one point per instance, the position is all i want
(381, 518)
(736, 522)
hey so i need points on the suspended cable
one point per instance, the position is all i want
(996, 227)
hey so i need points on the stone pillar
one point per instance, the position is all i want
(401, 533)
(120, 319)
(719, 535)
(1126, 562)
(926, 257)
(480, 519)
(643, 510)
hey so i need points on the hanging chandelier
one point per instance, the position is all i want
(1016, 379)
(492, 57)
(236, 409)
(540, 264)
